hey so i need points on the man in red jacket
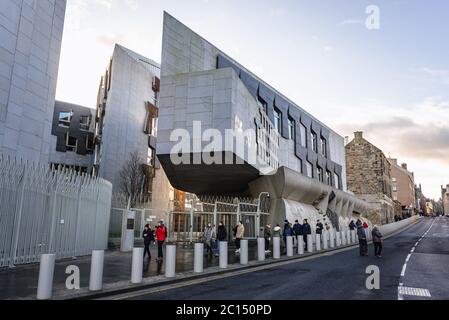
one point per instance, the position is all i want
(161, 235)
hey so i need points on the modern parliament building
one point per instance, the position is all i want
(300, 161)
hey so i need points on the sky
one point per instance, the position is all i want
(392, 83)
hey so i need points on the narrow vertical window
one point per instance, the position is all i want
(303, 132)
(291, 129)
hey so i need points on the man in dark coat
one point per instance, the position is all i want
(148, 237)
(361, 234)
(306, 230)
(222, 235)
(267, 237)
(319, 227)
(297, 230)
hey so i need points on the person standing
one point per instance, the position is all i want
(222, 235)
(239, 234)
(297, 230)
(352, 225)
(306, 230)
(319, 227)
(361, 234)
(161, 235)
(377, 240)
(148, 237)
(267, 237)
(209, 235)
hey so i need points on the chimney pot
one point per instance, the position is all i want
(404, 165)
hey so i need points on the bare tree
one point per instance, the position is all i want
(132, 177)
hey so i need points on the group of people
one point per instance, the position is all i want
(212, 237)
(363, 242)
(159, 235)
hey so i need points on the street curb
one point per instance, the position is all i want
(213, 271)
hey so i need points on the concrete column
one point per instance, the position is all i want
(289, 246)
(244, 252)
(198, 265)
(309, 243)
(332, 239)
(276, 248)
(46, 272)
(137, 266)
(170, 261)
(260, 249)
(325, 240)
(338, 238)
(223, 254)
(318, 242)
(300, 245)
(96, 270)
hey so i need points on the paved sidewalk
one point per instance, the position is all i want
(21, 282)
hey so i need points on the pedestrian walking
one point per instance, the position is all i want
(239, 234)
(161, 236)
(267, 237)
(222, 235)
(319, 227)
(352, 225)
(377, 240)
(361, 234)
(306, 230)
(209, 238)
(148, 237)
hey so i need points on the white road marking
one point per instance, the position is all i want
(404, 267)
(408, 257)
(413, 250)
(417, 292)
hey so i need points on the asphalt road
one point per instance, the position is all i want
(341, 275)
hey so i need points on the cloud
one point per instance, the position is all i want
(436, 75)
(351, 21)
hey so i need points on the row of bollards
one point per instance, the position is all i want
(324, 241)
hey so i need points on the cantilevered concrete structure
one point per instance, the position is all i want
(300, 161)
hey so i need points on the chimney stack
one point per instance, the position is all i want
(404, 165)
(358, 135)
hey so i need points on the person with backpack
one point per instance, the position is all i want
(377, 240)
(222, 235)
(148, 237)
(161, 236)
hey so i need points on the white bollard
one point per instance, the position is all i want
(353, 235)
(289, 246)
(300, 245)
(318, 242)
(309, 243)
(198, 265)
(325, 240)
(332, 239)
(137, 266)
(338, 238)
(369, 235)
(261, 249)
(223, 254)
(348, 236)
(170, 261)
(343, 238)
(46, 272)
(276, 248)
(96, 270)
(244, 252)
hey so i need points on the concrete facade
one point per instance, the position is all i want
(30, 44)
(201, 83)
(403, 185)
(81, 157)
(368, 176)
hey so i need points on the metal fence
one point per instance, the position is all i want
(48, 210)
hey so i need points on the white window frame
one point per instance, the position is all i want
(71, 146)
(64, 123)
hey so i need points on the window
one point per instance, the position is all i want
(89, 143)
(65, 118)
(309, 169)
(303, 132)
(71, 143)
(85, 122)
(319, 172)
(337, 181)
(291, 129)
(328, 178)
(393, 179)
(151, 157)
(323, 147)
(277, 120)
(314, 141)
(262, 104)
